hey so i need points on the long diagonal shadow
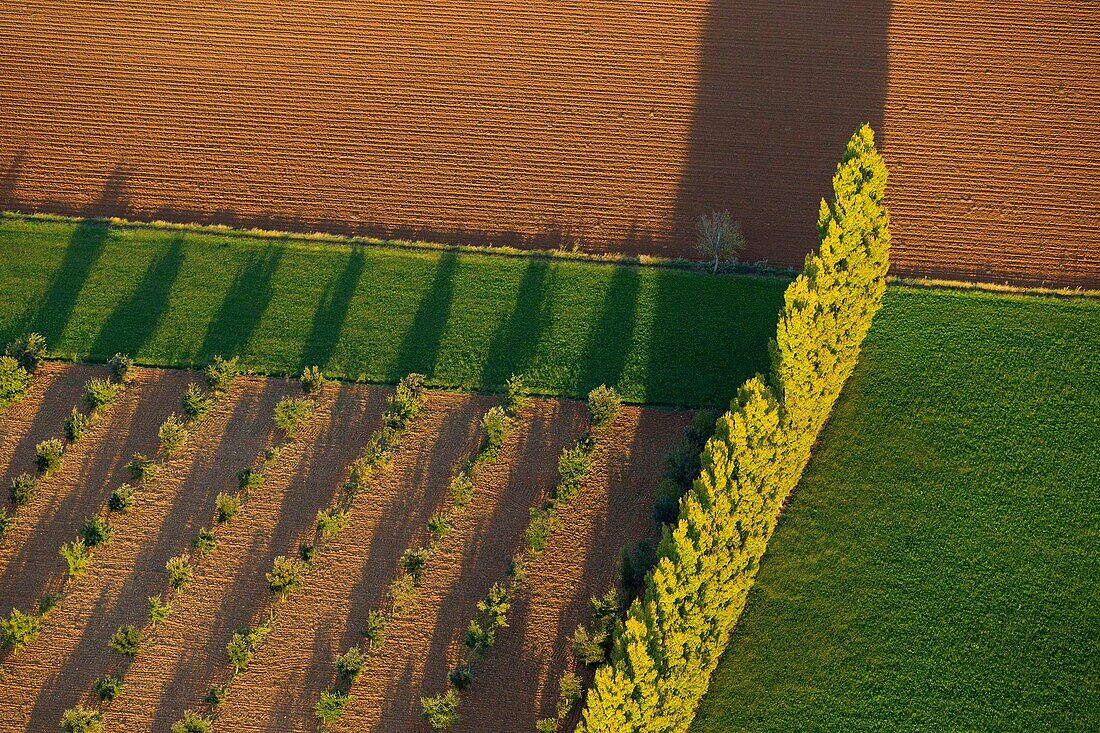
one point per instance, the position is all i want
(135, 319)
(420, 347)
(517, 339)
(609, 340)
(328, 319)
(244, 305)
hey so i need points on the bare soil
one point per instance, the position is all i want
(607, 125)
(186, 653)
(350, 575)
(90, 469)
(56, 673)
(517, 683)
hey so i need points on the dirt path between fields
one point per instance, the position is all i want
(176, 666)
(90, 470)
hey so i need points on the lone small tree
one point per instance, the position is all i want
(719, 236)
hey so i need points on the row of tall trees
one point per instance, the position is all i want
(675, 634)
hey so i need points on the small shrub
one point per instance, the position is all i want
(330, 706)
(122, 368)
(415, 562)
(126, 641)
(569, 693)
(121, 498)
(440, 526)
(285, 575)
(14, 381)
(80, 719)
(48, 602)
(306, 551)
(405, 402)
(603, 404)
(226, 507)
(247, 479)
(173, 434)
(76, 424)
(539, 527)
(546, 725)
(402, 591)
(179, 571)
(192, 722)
(351, 663)
(495, 424)
(107, 687)
(440, 711)
(99, 393)
(291, 413)
(95, 531)
(143, 469)
(47, 455)
(19, 629)
(495, 606)
(244, 644)
(196, 402)
(666, 505)
(205, 541)
(29, 351)
(312, 380)
(587, 647)
(221, 373)
(22, 488)
(330, 523)
(461, 677)
(158, 610)
(462, 489)
(375, 628)
(217, 694)
(480, 638)
(573, 464)
(76, 556)
(5, 520)
(515, 394)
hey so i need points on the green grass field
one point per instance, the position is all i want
(467, 320)
(938, 567)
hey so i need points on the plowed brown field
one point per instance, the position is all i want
(180, 658)
(604, 124)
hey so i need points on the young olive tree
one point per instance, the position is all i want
(719, 237)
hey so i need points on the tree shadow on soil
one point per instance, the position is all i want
(780, 89)
(135, 319)
(420, 346)
(243, 307)
(332, 311)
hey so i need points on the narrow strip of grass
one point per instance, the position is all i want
(175, 297)
(937, 567)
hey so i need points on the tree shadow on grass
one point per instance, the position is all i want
(243, 307)
(517, 339)
(135, 319)
(328, 319)
(85, 247)
(610, 338)
(420, 347)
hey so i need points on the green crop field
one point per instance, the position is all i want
(467, 320)
(937, 568)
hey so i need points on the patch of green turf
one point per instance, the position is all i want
(937, 569)
(467, 320)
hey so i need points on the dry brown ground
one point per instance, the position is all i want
(350, 575)
(422, 644)
(56, 673)
(607, 124)
(90, 470)
(518, 682)
(178, 662)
